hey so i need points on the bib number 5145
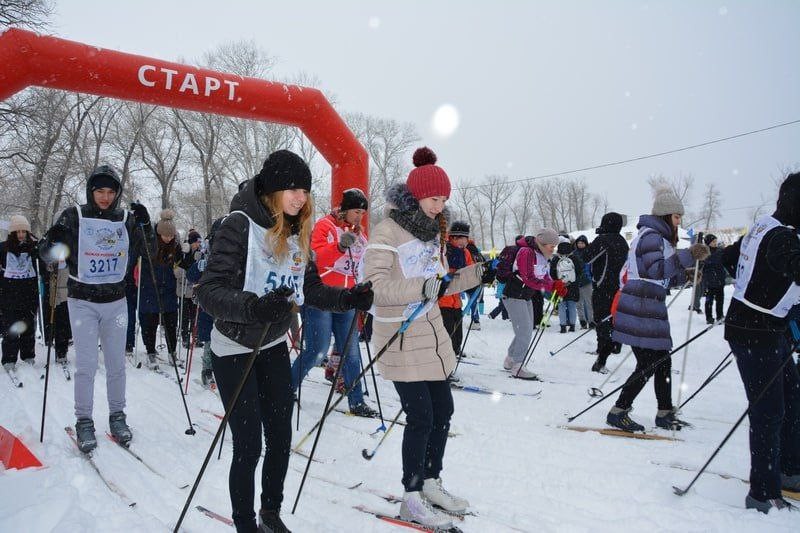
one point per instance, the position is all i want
(274, 281)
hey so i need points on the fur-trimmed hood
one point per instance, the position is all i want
(399, 198)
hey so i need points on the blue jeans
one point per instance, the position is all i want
(474, 308)
(567, 311)
(317, 328)
(775, 419)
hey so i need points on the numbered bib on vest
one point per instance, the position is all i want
(349, 264)
(746, 266)
(102, 250)
(19, 266)
(266, 272)
(419, 260)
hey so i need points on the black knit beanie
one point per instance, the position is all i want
(282, 170)
(353, 199)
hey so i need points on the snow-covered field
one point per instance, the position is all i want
(519, 470)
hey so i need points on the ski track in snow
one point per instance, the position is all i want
(516, 467)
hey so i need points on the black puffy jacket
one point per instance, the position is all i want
(104, 292)
(607, 254)
(220, 290)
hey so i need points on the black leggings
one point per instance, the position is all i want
(265, 406)
(662, 383)
(19, 334)
(150, 327)
(717, 295)
(428, 406)
(452, 319)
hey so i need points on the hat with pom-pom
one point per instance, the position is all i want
(427, 179)
(166, 226)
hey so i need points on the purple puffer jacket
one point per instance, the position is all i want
(641, 318)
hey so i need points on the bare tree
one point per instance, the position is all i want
(160, 148)
(34, 14)
(522, 209)
(712, 205)
(496, 191)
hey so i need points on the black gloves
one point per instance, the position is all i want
(346, 240)
(140, 214)
(273, 306)
(58, 233)
(359, 297)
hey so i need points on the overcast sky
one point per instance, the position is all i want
(539, 87)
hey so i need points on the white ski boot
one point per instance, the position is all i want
(415, 508)
(434, 492)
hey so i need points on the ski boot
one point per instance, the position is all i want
(619, 419)
(666, 419)
(563, 329)
(522, 373)
(61, 359)
(119, 428)
(476, 326)
(10, 367)
(363, 410)
(572, 328)
(766, 506)
(152, 361)
(584, 325)
(84, 434)
(270, 522)
(207, 378)
(433, 491)
(416, 508)
(791, 483)
(507, 363)
(599, 367)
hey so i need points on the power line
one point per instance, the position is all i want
(643, 157)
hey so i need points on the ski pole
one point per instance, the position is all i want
(402, 329)
(191, 352)
(554, 299)
(221, 442)
(598, 391)
(137, 324)
(179, 349)
(689, 322)
(191, 430)
(52, 302)
(681, 492)
(382, 427)
(471, 300)
(348, 341)
(228, 410)
(369, 455)
(300, 367)
(647, 370)
(360, 361)
(714, 373)
(577, 338)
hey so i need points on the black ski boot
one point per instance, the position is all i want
(270, 522)
(119, 428)
(666, 419)
(563, 329)
(572, 328)
(84, 434)
(363, 410)
(619, 419)
(766, 506)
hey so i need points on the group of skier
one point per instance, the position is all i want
(267, 261)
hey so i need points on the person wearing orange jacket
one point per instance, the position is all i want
(457, 257)
(339, 242)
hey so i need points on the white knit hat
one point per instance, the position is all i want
(666, 203)
(18, 223)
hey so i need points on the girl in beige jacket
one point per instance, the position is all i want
(405, 262)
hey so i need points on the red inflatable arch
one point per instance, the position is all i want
(30, 59)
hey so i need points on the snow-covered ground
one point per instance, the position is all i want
(519, 470)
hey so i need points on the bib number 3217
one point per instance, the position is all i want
(100, 266)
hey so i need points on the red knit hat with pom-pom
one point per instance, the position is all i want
(427, 179)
